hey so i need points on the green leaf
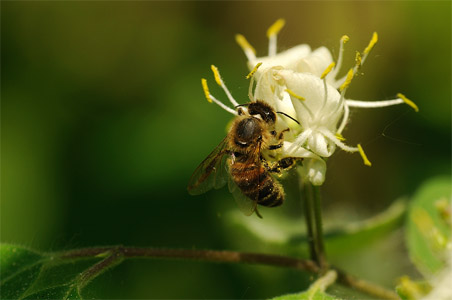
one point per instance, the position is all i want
(307, 296)
(19, 268)
(285, 232)
(428, 227)
(27, 274)
(316, 291)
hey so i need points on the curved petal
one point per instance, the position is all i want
(287, 59)
(316, 62)
(320, 145)
(311, 112)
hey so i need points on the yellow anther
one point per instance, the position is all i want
(408, 101)
(253, 71)
(243, 43)
(276, 27)
(364, 156)
(295, 95)
(344, 39)
(372, 43)
(347, 81)
(217, 75)
(340, 137)
(358, 59)
(206, 89)
(328, 70)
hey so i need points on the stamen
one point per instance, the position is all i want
(300, 140)
(373, 104)
(220, 82)
(372, 43)
(364, 156)
(340, 137)
(358, 61)
(276, 27)
(347, 81)
(272, 33)
(217, 75)
(335, 140)
(228, 109)
(408, 101)
(295, 95)
(328, 70)
(206, 89)
(253, 71)
(246, 47)
(211, 98)
(369, 47)
(250, 89)
(344, 119)
(344, 39)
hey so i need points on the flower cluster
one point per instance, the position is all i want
(303, 84)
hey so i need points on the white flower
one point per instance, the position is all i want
(302, 83)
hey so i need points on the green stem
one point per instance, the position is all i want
(317, 199)
(313, 217)
(309, 217)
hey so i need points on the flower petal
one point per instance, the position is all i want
(316, 62)
(312, 111)
(288, 59)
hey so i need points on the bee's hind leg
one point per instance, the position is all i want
(284, 164)
(258, 213)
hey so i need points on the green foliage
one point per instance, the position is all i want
(285, 232)
(26, 274)
(316, 291)
(318, 295)
(428, 227)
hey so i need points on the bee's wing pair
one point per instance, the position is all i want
(213, 172)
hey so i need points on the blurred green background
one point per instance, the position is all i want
(104, 120)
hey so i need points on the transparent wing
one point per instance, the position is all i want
(211, 173)
(245, 203)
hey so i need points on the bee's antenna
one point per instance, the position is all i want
(237, 106)
(283, 113)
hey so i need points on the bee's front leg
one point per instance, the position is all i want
(280, 139)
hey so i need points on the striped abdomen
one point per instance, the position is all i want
(256, 183)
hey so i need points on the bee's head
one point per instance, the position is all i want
(258, 109)
(262, 109)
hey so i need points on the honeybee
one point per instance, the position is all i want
(238, 160)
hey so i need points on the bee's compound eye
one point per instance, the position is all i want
(273, 133)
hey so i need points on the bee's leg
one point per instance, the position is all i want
(265, 164)
(285, 164)
(274, 147)
(258, 213)
(280, 139)
(281, 134)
